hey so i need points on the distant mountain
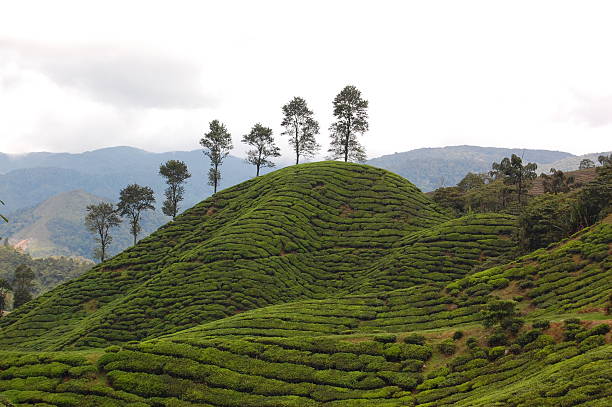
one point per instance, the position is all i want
(29, 179)
(431, 168)
(570, 163)
(55, 227)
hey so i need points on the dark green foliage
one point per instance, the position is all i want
(217, 144)
(513, 172)
(133, 200)
(497, 311)
(175, 173)
(541, 324)
(415, 339)
(457, 335)
(497, 338)
(5, 287)
(22, 285)
(301, 128)
(100, 219)
(527, 337)
(447, 347)
(557, 182)
(261, 139)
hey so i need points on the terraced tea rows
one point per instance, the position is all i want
(325, 284)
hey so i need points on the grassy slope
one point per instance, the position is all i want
(326, 342)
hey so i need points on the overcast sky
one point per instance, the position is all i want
(81, 75)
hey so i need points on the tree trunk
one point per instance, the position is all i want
(257, 170)
(216, 178)
(297, 144)
(346, 142)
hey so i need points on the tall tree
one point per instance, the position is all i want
(557, 182)
(23, 285)
(176, 173)
(301, 127)
(350, 110)
(217, 145)
(586, 163)
(261, 139)
(133, 200)
(5, 287)
(513, 172)
(100, 219)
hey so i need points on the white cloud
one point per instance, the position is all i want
(77, 76)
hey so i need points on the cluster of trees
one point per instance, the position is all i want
(565, 207)
(300, 126)
(21, 287)
(588, 163)
(350, 111)
(505, 185)
(560, 213)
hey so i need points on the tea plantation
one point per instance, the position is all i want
(324, 284)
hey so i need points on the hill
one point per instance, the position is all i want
(570, 163)
(49, 272)
(55, 227)
(324, 284)
(431, 168)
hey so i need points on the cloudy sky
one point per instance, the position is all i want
(77, 75)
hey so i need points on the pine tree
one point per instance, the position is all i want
(350, 110)
(301, 127)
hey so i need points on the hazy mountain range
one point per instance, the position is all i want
(46, 193)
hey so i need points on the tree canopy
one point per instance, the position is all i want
(134, 199)
(100, 219)
(513, 172)
(217, 144)
(175, 173)
(260, 138)
(301, 127)
(350, 111)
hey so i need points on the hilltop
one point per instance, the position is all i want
(29, 179)
(324, 284)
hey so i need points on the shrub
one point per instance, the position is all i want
(591, 342)
(498, 338)
(447, 347)
(496, 352)
(458, 335)
(415, 339)
(512, 325)
(471, 343)
(541, 325)
(528, 337)
(515, 348)
(387, 338)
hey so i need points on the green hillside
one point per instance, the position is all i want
(56, 227)
(325, 284)
(49, 271)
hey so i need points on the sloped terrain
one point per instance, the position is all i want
(324, 284)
